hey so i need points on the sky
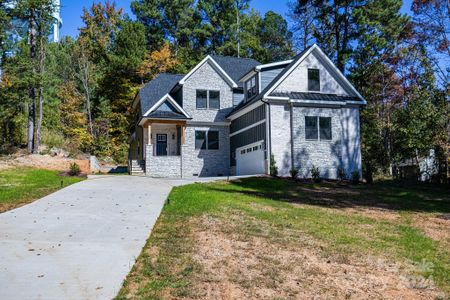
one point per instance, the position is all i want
(71, 11)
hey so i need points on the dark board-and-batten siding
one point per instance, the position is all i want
(249, 136)
(248, 119)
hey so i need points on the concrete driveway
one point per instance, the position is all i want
(80, 242)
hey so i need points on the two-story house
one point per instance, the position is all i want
(232, 116)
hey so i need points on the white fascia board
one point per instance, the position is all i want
(216, 65)
(172, 101)
(274, 64)
(245, 110)
(277, 98)
(247, 76)
(342, 77)
(199, 123)
(248, 127)
(318, 102)
(266, 95)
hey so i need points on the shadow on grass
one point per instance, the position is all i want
(386, 195)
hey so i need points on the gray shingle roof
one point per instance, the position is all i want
(156, 89)
(260, 95)
(315, 96)
(235, 67)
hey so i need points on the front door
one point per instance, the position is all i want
(161, 144)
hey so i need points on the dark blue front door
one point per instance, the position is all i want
(161, 145)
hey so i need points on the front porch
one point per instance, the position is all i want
(163, 140)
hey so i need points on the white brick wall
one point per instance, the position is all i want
(206, 78)
(297, 81)
(343, 150)
(206, 162)
(162, 166)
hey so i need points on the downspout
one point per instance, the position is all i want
(291, 112)
(268, 136)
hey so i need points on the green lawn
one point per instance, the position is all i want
(19, 186)
(278, 239)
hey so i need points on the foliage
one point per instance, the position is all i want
(158, 61)
(273, 166)
(341, 174)
(74, 169)
(356, 177)
(315, 173)
(294, 173)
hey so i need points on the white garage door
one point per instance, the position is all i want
(250, 159)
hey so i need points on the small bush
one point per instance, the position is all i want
(273, 166)
(294, 173)
(74, 169)
(341, 174)
(315, 173)
(355, 177)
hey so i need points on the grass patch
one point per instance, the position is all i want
(20, 186)
(258, 214)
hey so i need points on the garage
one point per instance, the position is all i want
(250, 159)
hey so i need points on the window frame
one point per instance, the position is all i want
(251, 87)
(310, 79)
(206, 139)
(208, 106)
(319, 129)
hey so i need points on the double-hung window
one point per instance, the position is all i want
(208, 99)
(206, 139)
(318, 128)
(314, 80)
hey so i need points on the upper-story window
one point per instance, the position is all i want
(250, 87)
(314, 80)
(208, 99)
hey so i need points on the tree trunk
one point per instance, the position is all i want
(41, 92)
(32, 88)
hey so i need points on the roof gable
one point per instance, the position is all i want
(154, 90)
(166, 106)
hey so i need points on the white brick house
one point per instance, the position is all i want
(231, 116)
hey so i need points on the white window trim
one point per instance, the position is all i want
(172, 101)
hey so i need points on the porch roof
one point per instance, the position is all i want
(167, 115)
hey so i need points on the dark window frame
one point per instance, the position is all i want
(313, 80)
(207, 144)
(318, 132)
(207, 105)
(251, 87)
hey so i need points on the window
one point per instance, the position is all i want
(213, 140)
(318, 128)
(206, 140)
(200, 140)
(251, 87)
(314, 80)
(214, 99)
(208, 99)
(202, 99)
(311, 128)
(325, 128)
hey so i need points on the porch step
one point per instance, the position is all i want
(136, 167)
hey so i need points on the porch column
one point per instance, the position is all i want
(149, 133)
(183, 134)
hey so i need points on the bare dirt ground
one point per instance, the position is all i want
(48, 162)
(234, 267)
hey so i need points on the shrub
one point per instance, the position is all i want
(341, 174)
(355, 177)
(273, 166)
(315, 173)
(74, 169)
(294, 173)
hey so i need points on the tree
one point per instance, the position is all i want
(156, 62)
(432, 28)
(333, 26)
(302, 17)
(38, 15)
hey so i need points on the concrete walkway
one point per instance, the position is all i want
(80, 242)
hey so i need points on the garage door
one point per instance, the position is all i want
(250, 159)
